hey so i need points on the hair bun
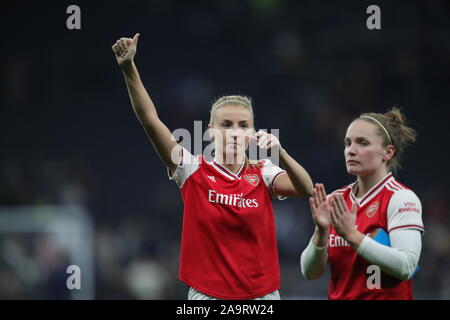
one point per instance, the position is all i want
(395, 115)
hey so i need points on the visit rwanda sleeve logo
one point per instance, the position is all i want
(252, 179)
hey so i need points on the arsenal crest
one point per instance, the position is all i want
(372, 209)
(252, 179)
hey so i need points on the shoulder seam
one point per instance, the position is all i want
(343, 189)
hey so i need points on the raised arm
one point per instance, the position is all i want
(160, 136)
(313, 260)
(297, 182)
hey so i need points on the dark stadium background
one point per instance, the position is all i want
(69, 136)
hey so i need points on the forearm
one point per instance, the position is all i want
(320, 237)
(142, 104)
(400, 260)
(297, 174)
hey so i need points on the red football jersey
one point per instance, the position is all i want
(388, 205)
(228, 245)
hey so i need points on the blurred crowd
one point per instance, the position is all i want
(68, 134)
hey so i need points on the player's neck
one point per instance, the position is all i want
(365, 183)
(233, 164)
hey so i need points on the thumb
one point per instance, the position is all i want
(136, 38)
(251, 135)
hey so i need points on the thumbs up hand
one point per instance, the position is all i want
(125, 50)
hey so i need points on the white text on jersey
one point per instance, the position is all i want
(235, 200)
(337, 241)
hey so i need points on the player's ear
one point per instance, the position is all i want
(389, 152)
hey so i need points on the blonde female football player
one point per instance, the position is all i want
(347, 221)
(228, 246)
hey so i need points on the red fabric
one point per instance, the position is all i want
(228, 247)
(349, 272)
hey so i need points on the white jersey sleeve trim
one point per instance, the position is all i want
(269, 173)
(404, 211)
(187, 166)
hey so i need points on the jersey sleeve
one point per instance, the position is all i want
(186, 167)
(270, 173)
(404, 211)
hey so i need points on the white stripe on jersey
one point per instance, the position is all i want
(394, 182)
(221, 171)
(374, 190)
(224, 169)
(391, 188)
(340, 191)
(394, 186)
(345, 188)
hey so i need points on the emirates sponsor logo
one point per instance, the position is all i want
(372, 209)
(337, 241)
(252, 179)
(235, 200)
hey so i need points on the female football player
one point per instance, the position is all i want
(228, 246)
(351, 222)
